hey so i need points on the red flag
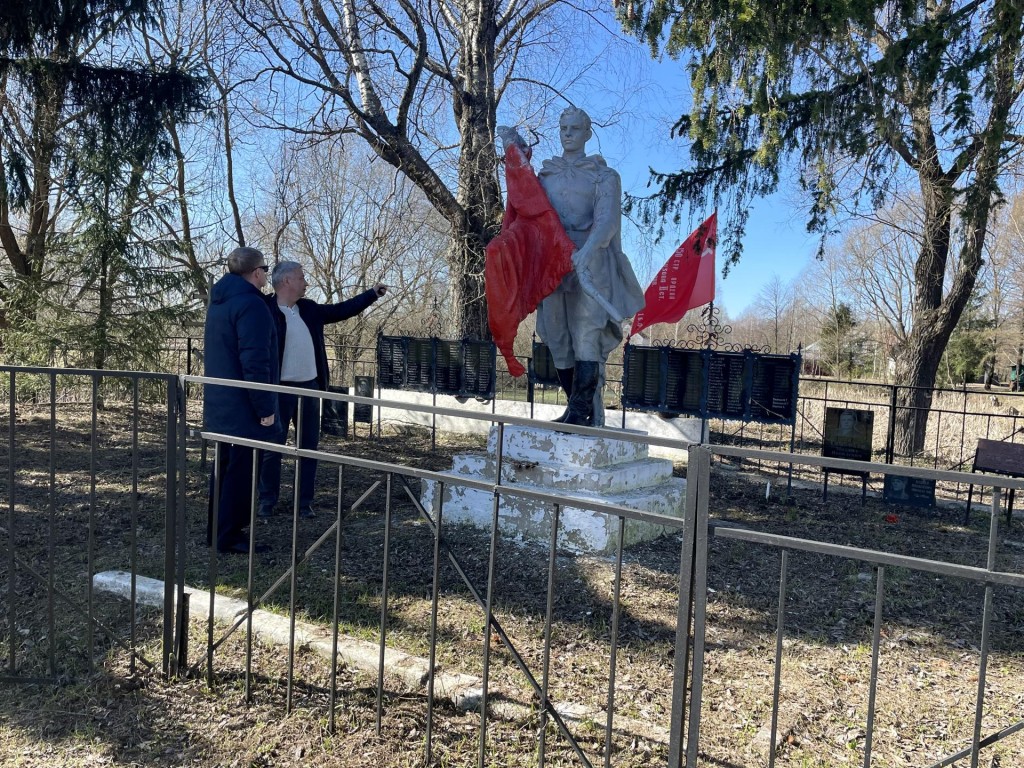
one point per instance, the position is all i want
(686, 281)
(528, 260)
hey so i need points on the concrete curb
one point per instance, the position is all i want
(463, 691)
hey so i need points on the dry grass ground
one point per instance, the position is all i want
(928, 672)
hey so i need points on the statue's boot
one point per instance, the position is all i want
(581, 404)
(565, 377)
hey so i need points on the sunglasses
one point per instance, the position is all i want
(263, 267)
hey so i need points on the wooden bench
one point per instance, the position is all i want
(999, 458)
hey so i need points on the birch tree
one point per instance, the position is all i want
(420, 82)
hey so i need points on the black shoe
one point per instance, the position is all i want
(306, 511)
(566, 377)
(242, 548)
(265, 510)
(580, 412)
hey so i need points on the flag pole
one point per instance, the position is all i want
(707, 374)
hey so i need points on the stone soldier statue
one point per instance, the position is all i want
(581, 321)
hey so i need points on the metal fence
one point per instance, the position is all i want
(957, 418)
(87, 459)
(764, 544)
(106, 439)
(533, 664)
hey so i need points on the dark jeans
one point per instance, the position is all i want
(235, 491)
(270, 471)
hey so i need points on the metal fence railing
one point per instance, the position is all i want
(956, 419)
(88, 456)
(897, 578)
(107, 483)
(473, 571)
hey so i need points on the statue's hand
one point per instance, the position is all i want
(509, 136)
(581, 258)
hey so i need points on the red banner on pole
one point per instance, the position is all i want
(686, 281)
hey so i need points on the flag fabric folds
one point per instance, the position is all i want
(686, 281)
(527, 260)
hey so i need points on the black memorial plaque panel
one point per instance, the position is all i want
(460, 368)
(848, 434)
(391, 361)
(909, 491)
(726, 391)
(478, 369)
(641, 387)
(707, 383)
(773, 388)
(364, 388)
(334, 414)
(447, 367)
(419, 364)
(685, 381)
(542, 365)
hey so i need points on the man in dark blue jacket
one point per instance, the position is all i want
(241, 344)
(303, 358)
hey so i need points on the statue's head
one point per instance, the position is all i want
(574, 129)
(577, 113)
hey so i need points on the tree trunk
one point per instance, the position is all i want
(468, 310)
(479, 193)
(916, 368)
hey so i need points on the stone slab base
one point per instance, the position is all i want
(585, 468)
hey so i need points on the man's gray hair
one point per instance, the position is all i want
(242, 261)
(569, 111)
(283, 270)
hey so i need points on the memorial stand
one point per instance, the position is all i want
(708, 377)
(999, 458)
(556, 468)
(848, 435)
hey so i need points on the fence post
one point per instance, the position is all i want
(181, 529)
(170, 519)
(890, 438)
(698, 468)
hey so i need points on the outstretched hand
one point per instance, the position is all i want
(380, 289)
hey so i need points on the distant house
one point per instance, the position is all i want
(812, 361)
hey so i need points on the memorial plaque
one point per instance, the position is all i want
(391, 361)
(542, 365)
(334, 414)
(685, 381)
(726, 385)
(910, 491)
(364, 388)
(726, 393)
(999, 456)
(641, 387)
(447, 367)
(848, 434)
(773, 388)
(478, 369)
(419, 363)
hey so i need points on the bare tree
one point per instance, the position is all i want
(1004, 279)
(353, 221)
(777, 303)
(420, 82)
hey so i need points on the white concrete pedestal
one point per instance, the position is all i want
(593, 468)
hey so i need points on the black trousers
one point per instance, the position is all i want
(235, 493)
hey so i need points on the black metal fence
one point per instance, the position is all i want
(957, 419)
(108, 479)
(89, 456)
